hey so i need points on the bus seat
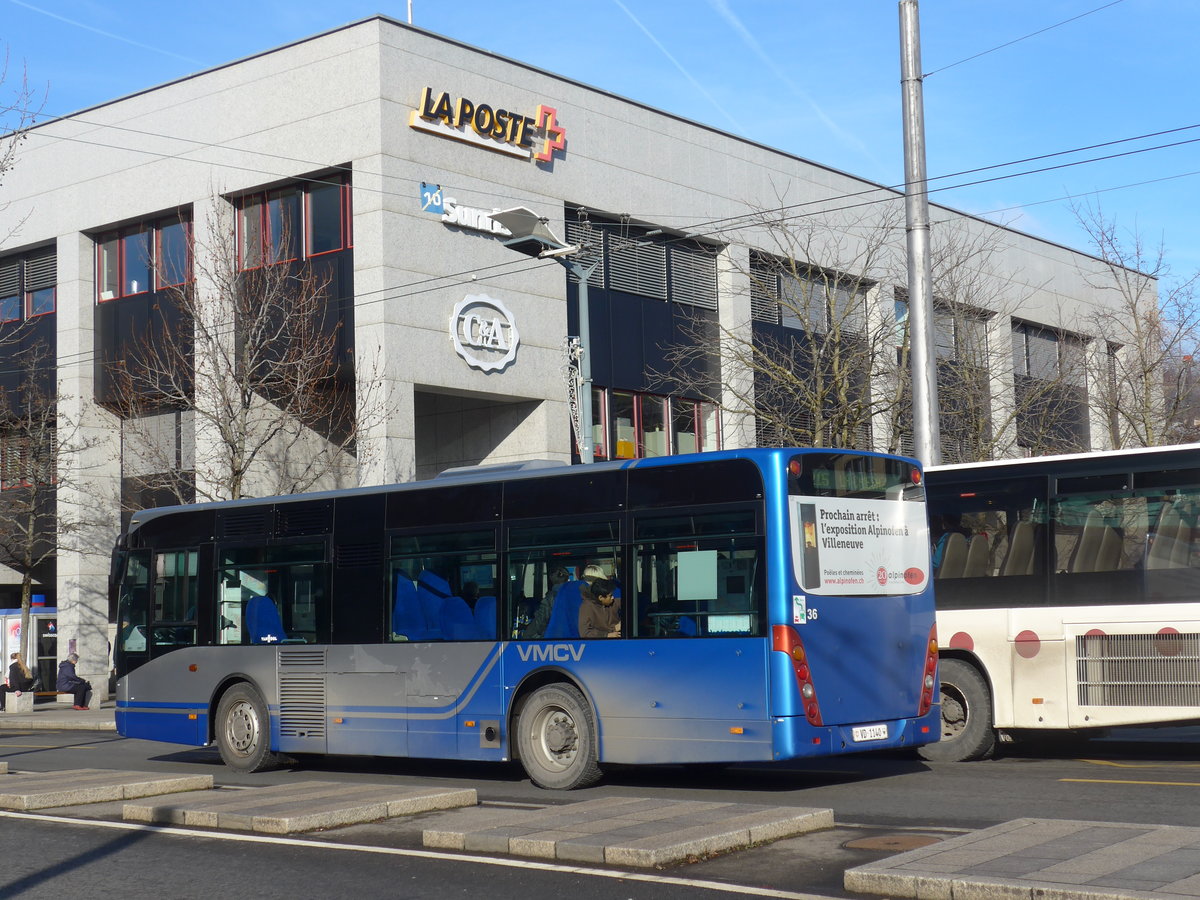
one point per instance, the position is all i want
(485, 617)
(954, 556)
(1020, 550)
(564, 617)
(432, 591)
(407, 618)
(1163, 550)
(1108, 557)
(262, 621)
(1086, 551)
(457, 622)
(979, 557)
(687, 627)
(1181, 553)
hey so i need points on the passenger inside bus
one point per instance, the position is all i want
(600, 611)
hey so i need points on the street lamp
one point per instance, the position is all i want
(532, 236)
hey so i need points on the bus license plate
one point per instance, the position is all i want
(869, 733)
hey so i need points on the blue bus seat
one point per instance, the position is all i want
(262, 621)
(564, 617)
(407, 618)
(485, 617)
(432, 591)
(457, 622)
(687, 627)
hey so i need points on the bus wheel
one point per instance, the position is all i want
(556, 738)
(967, 731)
(244, 730)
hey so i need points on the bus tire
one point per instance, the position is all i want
(556, 737)
(966, 703)
(243, 730)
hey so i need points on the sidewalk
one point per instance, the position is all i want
(62, 717)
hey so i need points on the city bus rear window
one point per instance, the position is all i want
(853, 475)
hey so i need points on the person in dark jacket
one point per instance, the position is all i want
(20, 679)
(69, 681)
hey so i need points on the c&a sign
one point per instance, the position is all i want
(534, 137)
(484, 333)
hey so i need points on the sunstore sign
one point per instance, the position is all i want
(516, 134)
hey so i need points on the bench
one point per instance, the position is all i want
(24, 703)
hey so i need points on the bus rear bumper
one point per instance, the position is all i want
(795, 738)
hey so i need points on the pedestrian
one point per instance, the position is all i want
(70, 682)
(20, 679)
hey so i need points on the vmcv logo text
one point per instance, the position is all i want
(550, 652)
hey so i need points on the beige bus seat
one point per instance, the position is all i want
(1167, 531)
(954, 556)
(1181, 553)
(1084, 557)
(1020, 550)
(979, 557)
(1108, 557)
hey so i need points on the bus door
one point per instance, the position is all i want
(274, 602)
(134, 599)
(699, 692)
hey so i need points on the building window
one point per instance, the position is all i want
(632, 425)
(806, 299)
(1050, 389)
(143, 257)
(646, 262)
(26, 459)
(290, 222)
(27, 285)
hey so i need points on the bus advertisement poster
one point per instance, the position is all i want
(853, 546)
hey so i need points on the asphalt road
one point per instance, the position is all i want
(881, 802)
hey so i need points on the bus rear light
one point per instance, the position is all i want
(928, 679)
(915, 475)
(785, 639)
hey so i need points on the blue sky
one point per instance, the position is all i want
(814, 78)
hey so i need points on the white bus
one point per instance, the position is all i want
(1068, 594)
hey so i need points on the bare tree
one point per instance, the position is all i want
(1147, 338)
(242, 380)
(20, 106)
(825, 359)
(36, 434)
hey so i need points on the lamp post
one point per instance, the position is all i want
(531, 235)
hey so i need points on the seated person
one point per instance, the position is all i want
(20, 679)
(600, 612)
(536, 626)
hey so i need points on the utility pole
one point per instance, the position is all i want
(926, 436)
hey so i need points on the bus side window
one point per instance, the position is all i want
(443, 587)
(698, 576)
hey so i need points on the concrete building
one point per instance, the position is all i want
(376, 152)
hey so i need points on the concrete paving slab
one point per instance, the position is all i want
(622, 831)
(1043, 859)
(74, 787)
(296, 807)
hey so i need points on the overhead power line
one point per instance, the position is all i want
(1023, 37)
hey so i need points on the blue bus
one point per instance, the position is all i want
(773, 604)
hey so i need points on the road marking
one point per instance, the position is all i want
(622, 875)
(1158, 765)
(1131, 781)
